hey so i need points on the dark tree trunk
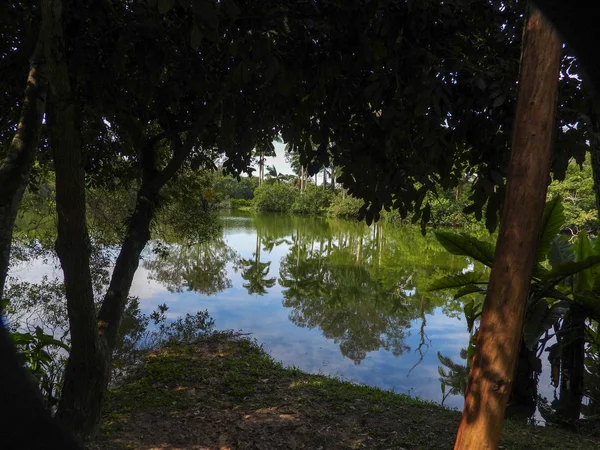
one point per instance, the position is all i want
(138, 235)
(19, 392)
(492, 373)
(16, 168)
(523, 397)
(572, 359)
(87, 370)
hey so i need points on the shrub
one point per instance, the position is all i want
(237, 203)
(345, 206)
(275, 197)
(314, 200)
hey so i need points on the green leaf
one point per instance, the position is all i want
(584, 280)
(590, 302)
(455, 281)
(561, 251)
(469, 289)
(472, 311)
(465, 245)
(21, 338)
(552, 222)
(541, 318)
(164, 6)
(569, 268)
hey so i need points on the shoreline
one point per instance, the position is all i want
(225, 392)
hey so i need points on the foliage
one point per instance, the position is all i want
(345, 206)
(189, 208)
(564, 279)
(183, 330)
(312, 200)
(276, 197)
(35, 349)
(239, 203)
(229, 187)
(578, 196)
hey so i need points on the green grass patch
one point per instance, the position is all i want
(226, 392)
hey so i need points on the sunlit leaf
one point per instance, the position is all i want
(552, 222)
(455, 281)
(464, 245)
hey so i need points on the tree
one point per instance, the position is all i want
(493, 368)
(162, 125)
(263, 151)
(319, 87)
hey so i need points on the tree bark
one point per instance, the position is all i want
(87, 370)
(138, 235)
(493, 369)
(20, 395)
(572, 362)
(16, 168)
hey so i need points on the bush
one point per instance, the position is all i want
(239, 203)
(314, 200)
(276, 197)
(345, 206)
(227, 186)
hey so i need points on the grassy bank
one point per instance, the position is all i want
(225, 393)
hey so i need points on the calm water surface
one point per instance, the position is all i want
(327, 296)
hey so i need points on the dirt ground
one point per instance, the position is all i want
(224, 393)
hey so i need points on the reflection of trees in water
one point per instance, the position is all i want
(352, 283)
(200, 267)
(255, 272)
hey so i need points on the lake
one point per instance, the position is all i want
(327, 296)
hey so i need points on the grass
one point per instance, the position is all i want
(224, 392)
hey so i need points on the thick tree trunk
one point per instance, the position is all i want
(572, 362)
(19, 393)
(493, 369)
(16, 168)
(87, 370)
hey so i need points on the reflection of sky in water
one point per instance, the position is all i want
(267, 319)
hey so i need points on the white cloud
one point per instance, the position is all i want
(279, 161)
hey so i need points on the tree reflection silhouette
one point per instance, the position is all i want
(200, 267)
